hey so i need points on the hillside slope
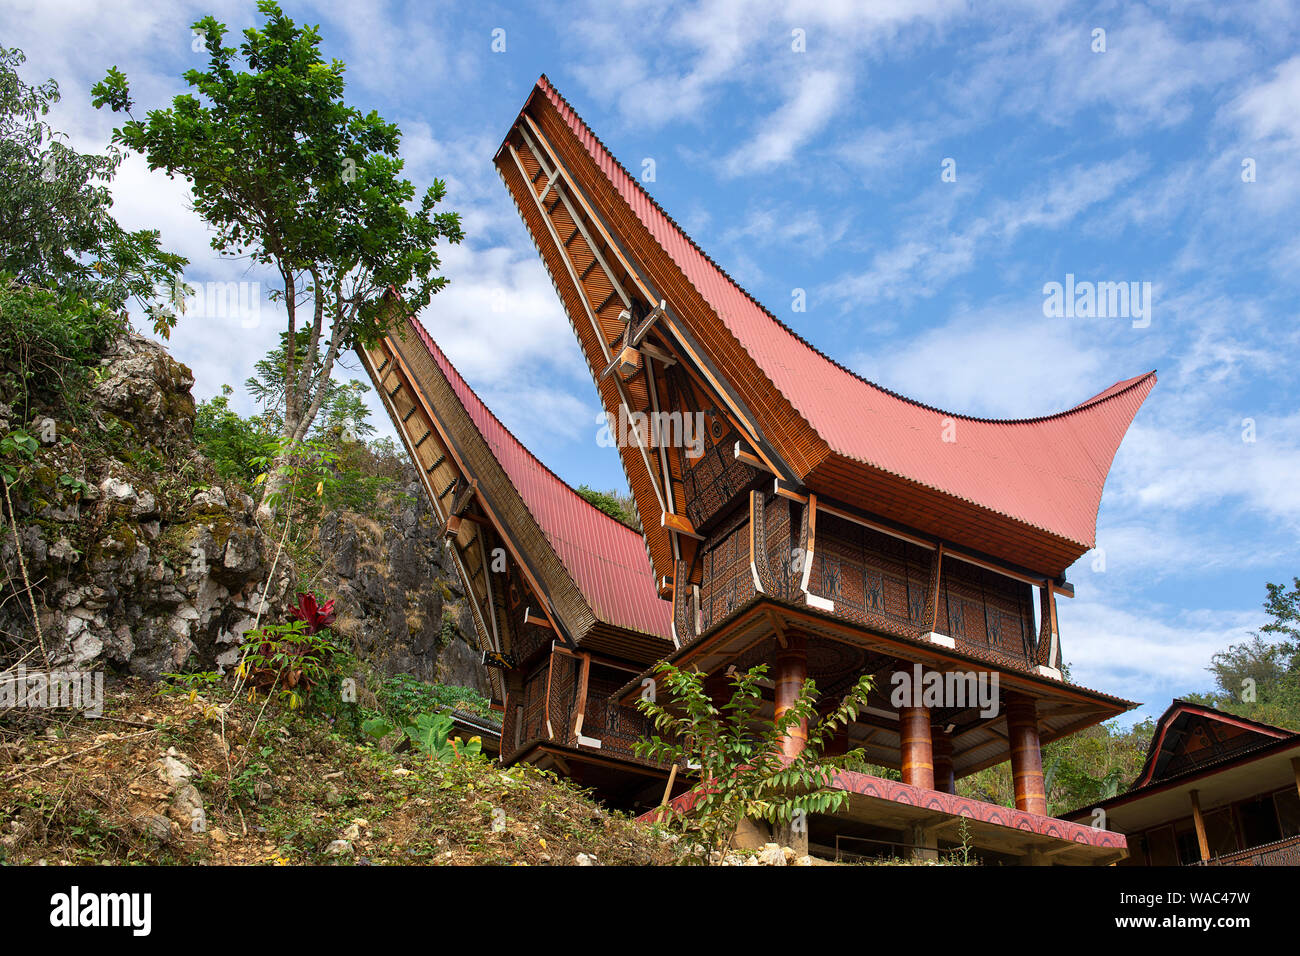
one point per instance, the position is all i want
(275, 787)
(142, 560)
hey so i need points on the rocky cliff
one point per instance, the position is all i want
(139, 557)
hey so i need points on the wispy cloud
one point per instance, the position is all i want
(807, 111)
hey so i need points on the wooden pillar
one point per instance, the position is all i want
(791, 672)
(1026, 754)
(1199, 821)
(945, 780)
(1295, 768)
(916, 750)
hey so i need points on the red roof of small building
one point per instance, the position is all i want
(1047, 472)
(1190, 736)
(606, 559)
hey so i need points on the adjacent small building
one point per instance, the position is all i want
(1216, 789)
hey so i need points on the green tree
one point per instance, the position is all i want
(1260, 678)
(288, 174)
(743, 772)
(1284, 607)
(343, 412)
(231, 442)
(56, 229)
(619, 507)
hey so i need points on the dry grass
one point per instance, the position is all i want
(79, 790)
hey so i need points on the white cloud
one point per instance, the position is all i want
(809, 108)
(1268, 109)
(1212, 468)
(962, 365)
(1145, 651)
(1147, 75)
(932, 252)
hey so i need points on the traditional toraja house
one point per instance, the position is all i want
(1215, 788)
(563, 598)
(798, 515)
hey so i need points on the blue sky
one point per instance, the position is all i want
(821, 170)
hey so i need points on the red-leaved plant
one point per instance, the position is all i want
(291, 657)
(315, 616)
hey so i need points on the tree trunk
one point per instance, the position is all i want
(276, 482)
(278, 478)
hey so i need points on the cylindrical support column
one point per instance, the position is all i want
(791, 673)
(1026, 754)
(945, 780)
(916, 749)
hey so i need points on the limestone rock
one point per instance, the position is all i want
(187, 808)
(771, 855)
(172, 772)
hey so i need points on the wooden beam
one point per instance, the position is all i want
(789, 490)
(749, 458)
(668, 790)
(627, 361)
(658, 312)
(546, 710)
(460, 501)
(810, 546)
(1199, 821)
(584, 675)
(658, 354)
(530, 618)
(938, 576)
(680, 524)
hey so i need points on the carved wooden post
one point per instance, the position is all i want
(916, 747)
(1026, 754)
(791, 672)
(944, 779)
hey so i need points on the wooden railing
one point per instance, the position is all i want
(1285, 852)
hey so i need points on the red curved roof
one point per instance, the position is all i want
(1174, 737)
(1046, 472)
(606, 559)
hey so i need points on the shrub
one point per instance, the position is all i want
(50, 342)
(743, 772)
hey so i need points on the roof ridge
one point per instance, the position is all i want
(429, 339)
(1183, 702)
(1099, 397)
